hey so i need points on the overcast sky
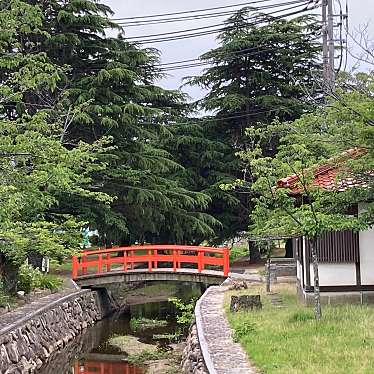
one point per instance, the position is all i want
(361, 12)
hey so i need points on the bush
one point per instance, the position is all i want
(243, 330)
(4, 299)
(30, 278)
(185, 311)
(237, 252)
(50, 282)
(302, 316)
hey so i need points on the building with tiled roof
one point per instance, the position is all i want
(346, 258)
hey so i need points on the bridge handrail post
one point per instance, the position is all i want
(100, 264)
(226, 261)
(200, 260)
(150, 260)
(108, 262)
(74, 270)
(125, 261)
(174, 250)
(83, 265)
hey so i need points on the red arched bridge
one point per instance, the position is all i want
(151, 263)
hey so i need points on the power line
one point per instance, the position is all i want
(192, 11)
(240, 51)
(203, 16)
(215, 31)
(179, 67)
(300, 3)
(184, 64)
(244, 115)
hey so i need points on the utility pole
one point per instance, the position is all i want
(328, 43)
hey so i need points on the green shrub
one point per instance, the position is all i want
(50, 282)
(4, 299)
(30, 278)
(245, 329)
(302, 316)
(185, 311)
(237, 252)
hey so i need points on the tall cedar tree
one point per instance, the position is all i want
(35, 167)
(262, 70)
(112, 81)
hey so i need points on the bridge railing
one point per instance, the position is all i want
(151, 257)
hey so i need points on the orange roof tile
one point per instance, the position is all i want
(325, 176)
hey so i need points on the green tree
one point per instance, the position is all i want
(35, 166)
(111, 81)
(262, 70)
(339, 134)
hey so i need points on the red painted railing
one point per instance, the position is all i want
(125, 258)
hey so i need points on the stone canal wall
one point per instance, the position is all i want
(29, 340)
(193, 360)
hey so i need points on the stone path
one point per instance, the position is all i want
(221, 354)
(16, 316)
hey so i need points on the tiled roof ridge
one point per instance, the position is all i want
(333, 164)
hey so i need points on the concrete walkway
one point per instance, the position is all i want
(16, 316)
(221, 354)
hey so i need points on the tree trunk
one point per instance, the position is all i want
(8, 275)
(268, 275)
(317, 295)
(254, 252)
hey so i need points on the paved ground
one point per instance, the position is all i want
(16, 315)
(226, 356)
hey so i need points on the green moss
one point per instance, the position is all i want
(130, 344)
(141, 358)
(138, 324)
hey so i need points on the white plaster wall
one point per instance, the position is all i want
(335, 274)
(299, 270)
(304, 259)
(366, 239)
(367, 257)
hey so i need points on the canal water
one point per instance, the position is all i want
(93, 351)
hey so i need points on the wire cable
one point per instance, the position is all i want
(304, 2)
(193, 35)
(209, 15)
(192, 11)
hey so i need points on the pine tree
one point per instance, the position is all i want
(261, 70)
(35, 167)
(111, 81)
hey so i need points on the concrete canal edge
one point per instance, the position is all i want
(210, 348)
(27, 342)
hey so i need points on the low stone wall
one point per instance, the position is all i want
(28, 343)
(192, 359)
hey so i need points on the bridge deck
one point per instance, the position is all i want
(159, 274)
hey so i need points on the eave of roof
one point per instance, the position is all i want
(325, 176)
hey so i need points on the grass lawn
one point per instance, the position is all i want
(288, 340)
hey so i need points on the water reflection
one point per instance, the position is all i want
(100, 367)
(91, 353)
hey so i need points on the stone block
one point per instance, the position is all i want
(348, 298)
(368, 297)
(245, 303)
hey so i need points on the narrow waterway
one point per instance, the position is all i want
(97, 351)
